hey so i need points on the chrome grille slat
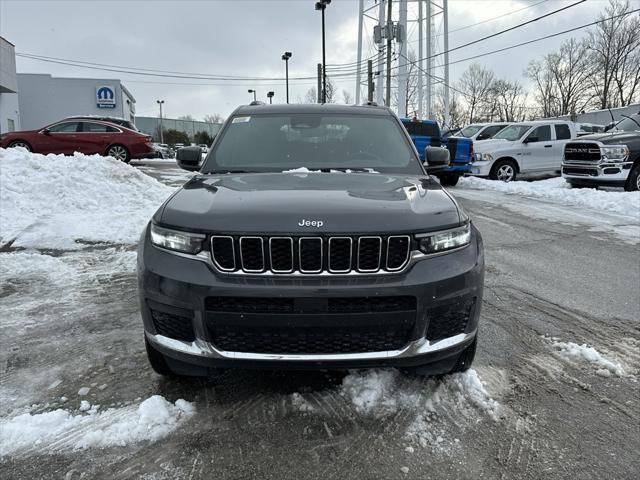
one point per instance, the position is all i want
(308, 255)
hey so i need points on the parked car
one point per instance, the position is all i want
(163, 150)
(605, 159)
(84, 136)
(588, 128)
(331, 248)
(427, 133)
(520, 148)
(481, 131)
(204, 147)
(117, 120)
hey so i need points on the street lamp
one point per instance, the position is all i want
(161, 102)
(286, 57)
(322, 5)
(270, 97)
(254, 94)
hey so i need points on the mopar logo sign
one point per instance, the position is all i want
(106, 97)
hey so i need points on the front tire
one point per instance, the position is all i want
(633, 182)
(21, 144)
(449, 179)
(504, 170)
(119, 152)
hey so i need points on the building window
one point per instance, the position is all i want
(11, 125)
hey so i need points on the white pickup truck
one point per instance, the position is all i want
(527, 147)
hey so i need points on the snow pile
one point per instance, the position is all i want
(52, 201)
(558, 190)
(584, 353)
(60, 430)
(300, 404)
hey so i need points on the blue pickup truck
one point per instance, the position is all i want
(426, 133)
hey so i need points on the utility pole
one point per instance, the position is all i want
(322, 6)
(161, 102)
(403, 60)
(370, 85)
(429, 112)
(389, 43)
(286, 56)
(447, 116)
(381, 52)
(420, 60)
(319, 83)
(360, 22)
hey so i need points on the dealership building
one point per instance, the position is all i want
(9, 109)
(45, 99)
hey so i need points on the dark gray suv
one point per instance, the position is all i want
(312, 237)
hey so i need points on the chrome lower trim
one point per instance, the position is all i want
(205, 349)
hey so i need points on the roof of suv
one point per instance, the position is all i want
(328, 108)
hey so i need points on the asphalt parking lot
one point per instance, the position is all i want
(539, 412)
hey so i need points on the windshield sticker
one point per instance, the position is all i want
(241, 119)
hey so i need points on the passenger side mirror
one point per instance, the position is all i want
(189, 158)
(482, 136)
(530, 140)
(46, 131)
(437, 158)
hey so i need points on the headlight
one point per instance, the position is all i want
(447, 240)
(175, 240)
(615, 152)
(482, 157)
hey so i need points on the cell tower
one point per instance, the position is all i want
(417, 26)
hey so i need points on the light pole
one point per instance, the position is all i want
(254, 94)
(161, 102)
(270, 97)
(286, 57)
(322, 5)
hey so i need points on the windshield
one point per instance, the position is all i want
(512, 132)
(628, 125)
(281, 142)
(470, 130)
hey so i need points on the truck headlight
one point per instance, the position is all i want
(176, 240)
(615, 152)
(446, 240)
(482, 157)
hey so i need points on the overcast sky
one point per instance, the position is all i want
(247, 38)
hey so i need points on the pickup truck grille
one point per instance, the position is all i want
(580, 152)
(310, 254)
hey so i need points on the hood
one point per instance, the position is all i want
(491, 143)
(284, 202)
(611, 138)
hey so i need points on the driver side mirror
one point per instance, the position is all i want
(437, 158)
(530, 140)
(46, 131)
(189, 158)
(482, 136)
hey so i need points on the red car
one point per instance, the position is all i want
(84, 136)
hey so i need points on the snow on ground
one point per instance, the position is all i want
(63, 430)
(53, 201)
(434, 403)
(587, 354)
(558, 190)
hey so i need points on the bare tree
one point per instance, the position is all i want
(615, 55)
(457, 114)
(508, 101)
(312, 94)
(214, 118)
(346, 97)
(544, 92)
(475, 85)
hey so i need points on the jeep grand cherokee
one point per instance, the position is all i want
(312, 237)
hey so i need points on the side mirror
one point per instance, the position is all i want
(46, 131)
(189, 158)
(437, 158)
(530, 140)
(482, 136)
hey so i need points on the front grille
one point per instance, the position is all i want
(174, 326)
(316, 341)
(301, 305)
(582, 152)
(448, 320)
(310, 255)
(591, 172)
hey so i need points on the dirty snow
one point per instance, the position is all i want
(62, 430)
(587, 354)
(558, 190)
(53, 201)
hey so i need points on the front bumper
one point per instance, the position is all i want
(605, 174)
(178, 282)
(481, 168)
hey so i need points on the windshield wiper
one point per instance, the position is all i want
(221, 172)
(350, 169)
